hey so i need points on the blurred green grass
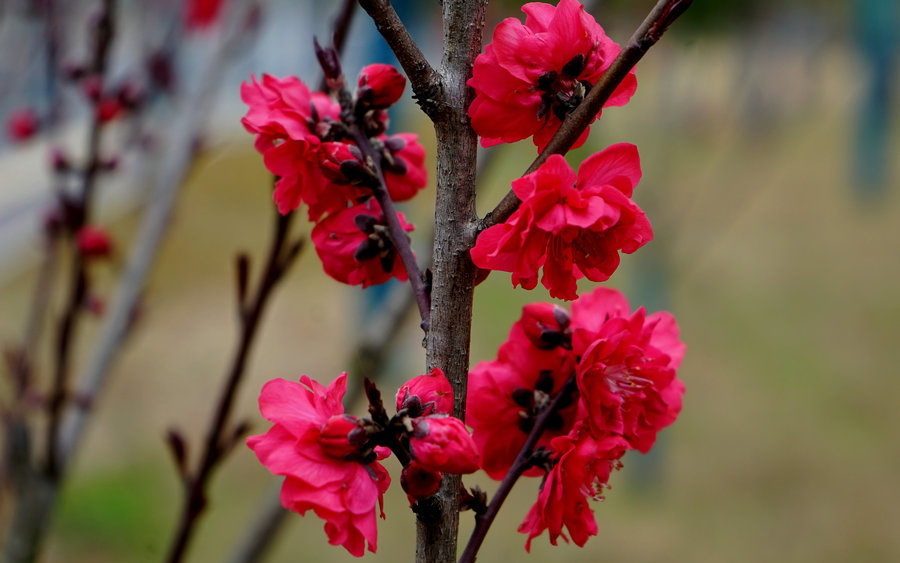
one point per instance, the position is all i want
(786, 290)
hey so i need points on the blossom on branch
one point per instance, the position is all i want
(627, 372)
(582, 469)
(322, 455)
(570, 225)
(356, 248)
(290, 122)
(625, 391)
(532, 75)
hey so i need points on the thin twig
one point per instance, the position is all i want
(425, 81)
(399, 238)
(79, 282)
(175, 164)
(520, 465)
(654, 25)
(220, 437)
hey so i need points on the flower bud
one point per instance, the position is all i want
(385, 83)
(340, 436)
(419, 482)
(93, 242)
(342, 164)
(547, 326)
(442, 443)
(22, 124)
(426, 394)
(107, 109)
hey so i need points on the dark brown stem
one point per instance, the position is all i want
(425, 81)
(521, 465)
(219, 433)
(399, 238)
(654, 25)
(341, 27)
(79, 280)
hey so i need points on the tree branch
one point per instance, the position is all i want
(425, 81)
(654, 25)
(219, 435)
(453, 282)
(520, 465)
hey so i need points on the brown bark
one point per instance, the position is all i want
(447, 343)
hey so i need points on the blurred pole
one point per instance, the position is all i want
(877, 39)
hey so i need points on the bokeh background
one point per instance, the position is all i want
(768, 134)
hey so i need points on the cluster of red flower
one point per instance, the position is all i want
(627, 390)
(600, 381)
(330, 459)
(305, 142)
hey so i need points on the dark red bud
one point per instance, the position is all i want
(386, 84)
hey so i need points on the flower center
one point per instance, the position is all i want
(563, 91)
(623, 381)
(535, 401)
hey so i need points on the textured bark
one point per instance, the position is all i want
(447, 343)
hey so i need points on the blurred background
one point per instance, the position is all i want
(768, 134)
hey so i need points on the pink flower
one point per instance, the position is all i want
(381, 85)
(531, 76)
(572, 226)
(342, 485)
(93, 242)
(426, 394)
(202, 13)
(289, 123)
(419, 482)
(627, 372)
(581, 473)
(404, 165)
(442, 443)
(506, 395)
(22, 124)
(355, 247)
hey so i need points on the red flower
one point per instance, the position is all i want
(289, 123)
(571, 226)
(426, 394)
(355, 247)
(202, 13)
(380, 85)
(22, 124)
(419, 482)
(93, 242)
(507, 394)
(320, 469)
(581, 472)
(531, 76)
(627, 374)
(442, 443)
(403, 165)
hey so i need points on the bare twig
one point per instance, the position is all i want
(654, 25)
(220, 437)
(77, 216)
(425, 81)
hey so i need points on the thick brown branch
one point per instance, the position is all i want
(425, 81)
(654, 25)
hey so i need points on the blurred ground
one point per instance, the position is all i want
(785, 286)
